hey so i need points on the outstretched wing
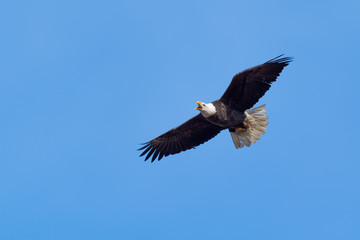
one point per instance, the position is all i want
(247, 87)
(190, 134)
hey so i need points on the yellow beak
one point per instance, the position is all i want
(200, 105)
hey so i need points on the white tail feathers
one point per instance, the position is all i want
(255, 125)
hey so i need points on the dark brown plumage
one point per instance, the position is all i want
(245, 89)
(190, 134)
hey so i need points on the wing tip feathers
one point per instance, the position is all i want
(279, 59)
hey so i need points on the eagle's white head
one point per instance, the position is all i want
(206, 109)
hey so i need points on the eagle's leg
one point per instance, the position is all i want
(241, 127)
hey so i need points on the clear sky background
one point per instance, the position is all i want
(83, 83)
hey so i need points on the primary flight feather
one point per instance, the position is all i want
(232, 111)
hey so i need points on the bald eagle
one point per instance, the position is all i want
(232, 111)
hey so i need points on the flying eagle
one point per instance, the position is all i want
(232, 111)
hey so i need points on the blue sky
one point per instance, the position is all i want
(84, 82)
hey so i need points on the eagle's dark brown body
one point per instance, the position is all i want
(225, 116)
